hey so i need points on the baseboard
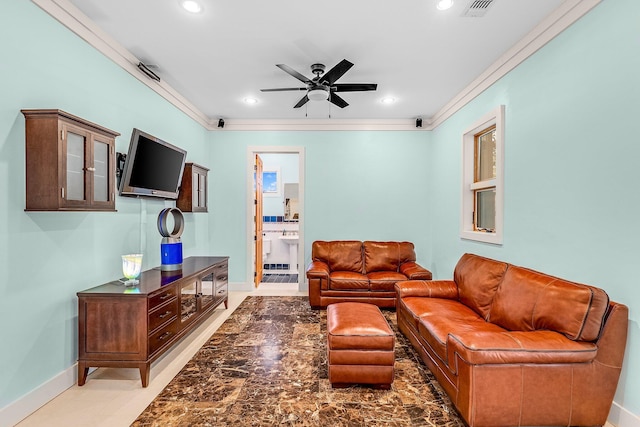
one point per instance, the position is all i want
(241, 287)
(621, 417)
(24, 406)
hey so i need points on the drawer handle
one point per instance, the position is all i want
(164, 336)
(165, 314)
(165, 296)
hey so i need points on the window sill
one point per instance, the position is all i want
(481, 236)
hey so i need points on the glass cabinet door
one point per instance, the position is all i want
(202, 191)
(207, 290)
(100, 171)
(188, 301)
(75, 185)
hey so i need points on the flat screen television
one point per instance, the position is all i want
(153, 167)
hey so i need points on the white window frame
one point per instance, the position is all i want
(467, 231)
(278, 190)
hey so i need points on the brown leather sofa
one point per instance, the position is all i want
(512, 346)
(351, 270)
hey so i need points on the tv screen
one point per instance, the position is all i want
(153, 167)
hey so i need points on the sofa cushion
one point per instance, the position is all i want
(528, 300)
(478, 279)
(348, 280)
(387, 256)
(340, 255)
(358, 326)
(539, 347)
(441, 317)
(384, 280)
(427, 288)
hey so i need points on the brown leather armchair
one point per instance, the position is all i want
(350, 270)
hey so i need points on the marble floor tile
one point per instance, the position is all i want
(267, 365)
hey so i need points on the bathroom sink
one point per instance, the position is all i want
(290, 239)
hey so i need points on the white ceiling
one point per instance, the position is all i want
(416, 54)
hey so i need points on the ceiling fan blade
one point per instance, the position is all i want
(336, 72)
(353, 87)
(293, 73)
(283, 89)
(336, 100)
(303, 101)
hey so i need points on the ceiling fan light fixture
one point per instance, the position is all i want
(250, 101)
(191, 6)
(388, 100)
(318, 94)
(444, 4)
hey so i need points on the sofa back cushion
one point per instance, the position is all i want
(387, 256)
(528, 300)
(478, 279)
(340, 255)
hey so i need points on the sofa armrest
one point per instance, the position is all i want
(415, 271)
(427, 288)
(517, 347)
(318, 269)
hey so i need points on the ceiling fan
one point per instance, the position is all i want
(323, 86)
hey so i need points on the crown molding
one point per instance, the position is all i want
(563, 17)
(72, 18)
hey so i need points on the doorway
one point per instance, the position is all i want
(275, 231)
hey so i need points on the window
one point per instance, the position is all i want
(482, 183)
(271, 181)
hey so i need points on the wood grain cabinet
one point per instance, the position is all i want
(130, 327)
(193, 190)
(70, 163)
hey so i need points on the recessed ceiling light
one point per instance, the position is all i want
(250, 101)
(388, 100)
(191, 6)
(444, 4)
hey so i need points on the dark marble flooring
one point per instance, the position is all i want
(266, 366)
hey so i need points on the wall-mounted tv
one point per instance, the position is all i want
(153, 167)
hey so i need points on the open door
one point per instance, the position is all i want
(258, 221)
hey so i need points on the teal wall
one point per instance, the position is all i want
(571, 166)
(358, 185)
(46, 257)
(571, 197)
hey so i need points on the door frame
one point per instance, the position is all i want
(249, 195)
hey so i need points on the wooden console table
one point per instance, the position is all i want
(130, 327)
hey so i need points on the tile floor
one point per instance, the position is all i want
(115, 397)
(280, 278)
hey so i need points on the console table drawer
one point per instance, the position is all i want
(161, 297)
(222, 271)
(221, 293)
(163, 314)
(163, 336)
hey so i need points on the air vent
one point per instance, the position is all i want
(477, 8)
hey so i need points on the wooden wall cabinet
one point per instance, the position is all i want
(70, 163)
(193, 190)
(127, 327)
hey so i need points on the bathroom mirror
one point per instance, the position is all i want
(291, 212)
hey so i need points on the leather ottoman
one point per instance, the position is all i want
(359, 345)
